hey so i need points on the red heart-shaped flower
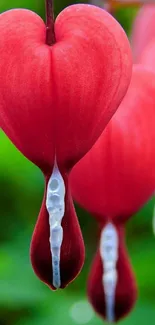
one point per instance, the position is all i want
(54, 103)
(117, 176)
(114, 179)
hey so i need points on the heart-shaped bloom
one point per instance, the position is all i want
(54, 103)
(114, 180)
(117, 176)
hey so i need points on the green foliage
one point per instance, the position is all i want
(24, 300)
(35, 5)
(126, 17)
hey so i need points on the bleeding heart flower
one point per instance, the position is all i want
(60, 86)
(143, 30)
(117, 176)
(122, 160)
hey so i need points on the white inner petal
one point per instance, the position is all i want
(55, 204)
(109, 254)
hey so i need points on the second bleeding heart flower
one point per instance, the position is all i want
(113, 181)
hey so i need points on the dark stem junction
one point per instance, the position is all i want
(50, 34)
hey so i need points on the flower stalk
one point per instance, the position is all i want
(50, 34)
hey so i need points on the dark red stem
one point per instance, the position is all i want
(50, 34)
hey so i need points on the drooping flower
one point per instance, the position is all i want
(114, 180)
(59, 87)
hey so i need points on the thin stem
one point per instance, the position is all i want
(50, 34)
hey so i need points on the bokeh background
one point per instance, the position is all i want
(24, 300)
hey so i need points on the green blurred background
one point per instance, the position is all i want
(24, 300)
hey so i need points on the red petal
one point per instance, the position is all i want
(117, 176)
(143, 30)
(148, 55)
(126, 290)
